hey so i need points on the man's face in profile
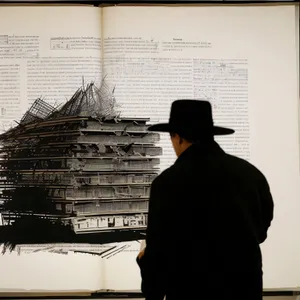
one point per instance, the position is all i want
(176, 142)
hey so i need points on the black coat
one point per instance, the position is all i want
(208, 213)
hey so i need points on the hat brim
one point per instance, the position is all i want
(165, 127)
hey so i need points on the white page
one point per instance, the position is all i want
(243, 59)
(45, 52)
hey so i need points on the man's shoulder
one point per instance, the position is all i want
(240, 161)
(164, 176)
(243, 165)
(240, 165)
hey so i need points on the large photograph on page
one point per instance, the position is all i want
(76, 173)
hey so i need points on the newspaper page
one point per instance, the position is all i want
(243, 60)
(48, 52)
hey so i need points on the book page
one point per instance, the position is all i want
(242, 59)
(47, 52)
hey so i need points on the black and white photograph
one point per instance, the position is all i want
(77, 174)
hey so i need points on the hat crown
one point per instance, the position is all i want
(191, 119)
(191, 114)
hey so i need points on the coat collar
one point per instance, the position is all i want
(198, 150)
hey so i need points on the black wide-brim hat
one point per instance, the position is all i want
(192, 118)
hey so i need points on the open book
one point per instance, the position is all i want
(233, 56)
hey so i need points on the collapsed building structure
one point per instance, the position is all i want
(77, 173)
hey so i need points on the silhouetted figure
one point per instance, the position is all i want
(208, 215)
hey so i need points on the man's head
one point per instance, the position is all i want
(181, 143)
(190, 121)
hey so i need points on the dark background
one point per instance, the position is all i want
(98, 2)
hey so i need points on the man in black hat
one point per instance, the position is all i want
(208, 214)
